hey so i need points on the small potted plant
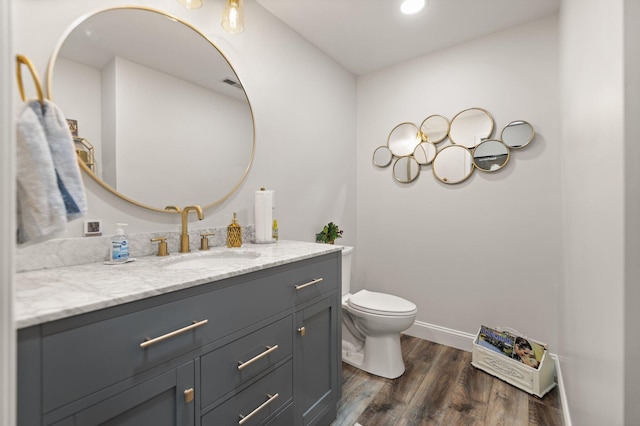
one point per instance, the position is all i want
(329, 233)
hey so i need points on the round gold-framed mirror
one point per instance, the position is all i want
(517, 134)
(470, 127)
(425, 152)
(435, 128)
(406, 169)
(453, 164)
(382, 156)
(165, 112)
(403, 139)
(491, 155)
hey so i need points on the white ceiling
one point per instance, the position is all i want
(367, 35)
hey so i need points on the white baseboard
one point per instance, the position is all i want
(464, 341)
(444, 336)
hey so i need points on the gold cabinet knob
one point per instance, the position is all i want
(162, 246)
(302, 331)
(188, 395)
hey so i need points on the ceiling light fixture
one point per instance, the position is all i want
(191, 4)
(409, 7)
(233, 17)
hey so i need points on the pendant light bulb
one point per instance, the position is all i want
(233, 17)
(191, 4)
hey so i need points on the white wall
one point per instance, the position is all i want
(7, 217)
(303, 103)
(487, 251)
(601, 205)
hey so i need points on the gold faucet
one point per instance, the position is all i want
(184, 237)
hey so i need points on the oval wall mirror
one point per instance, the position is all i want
(517, 134)
(453, 164)
(470, 127)
(491, 155)
(435, 127)
(164, 109)
(382, 156)
(406, 169)
(403, 139)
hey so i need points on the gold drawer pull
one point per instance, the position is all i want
(264, 404)
(270, 349)
(301, 286)
(150, 341)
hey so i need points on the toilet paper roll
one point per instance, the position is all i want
(264, 216)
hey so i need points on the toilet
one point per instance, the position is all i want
(371, 326)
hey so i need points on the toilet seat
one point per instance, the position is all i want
(381, 304)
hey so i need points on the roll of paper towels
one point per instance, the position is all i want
(264, 216)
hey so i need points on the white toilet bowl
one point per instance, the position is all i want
(371, 327)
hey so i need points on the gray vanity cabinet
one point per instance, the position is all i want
(255, 349)
(317, 366)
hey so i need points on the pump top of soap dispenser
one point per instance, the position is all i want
(119, 230)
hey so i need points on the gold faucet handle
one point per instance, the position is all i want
(162, 246)
(204, 241)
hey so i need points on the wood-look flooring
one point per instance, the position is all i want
(440, 387)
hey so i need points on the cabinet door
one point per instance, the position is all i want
(159, 401)
(317, 374)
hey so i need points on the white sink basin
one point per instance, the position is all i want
(214, 260)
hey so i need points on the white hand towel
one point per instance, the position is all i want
(65, 161)
(41, 210)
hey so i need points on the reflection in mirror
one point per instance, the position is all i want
(382, 156)
(470, 127)
(166, 113)
(406, 169)
(425, 153)
(453, 164)
(435, 127)
(517, 134)
(490, 155)
(403, 139)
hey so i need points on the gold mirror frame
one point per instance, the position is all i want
(445, 155)
(517, 134)
(470, 127)
(485, 157)
(169, 207)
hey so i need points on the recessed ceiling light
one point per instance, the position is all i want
(409, 7)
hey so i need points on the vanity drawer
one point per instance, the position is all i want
(238, 362)
(316, 279)
(263, 398)
(79, 361)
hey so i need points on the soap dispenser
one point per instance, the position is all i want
(120, 245)
(234, 234)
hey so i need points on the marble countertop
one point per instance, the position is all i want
(51, 294)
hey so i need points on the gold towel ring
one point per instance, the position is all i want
(20, 59)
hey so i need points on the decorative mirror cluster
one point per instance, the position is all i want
(470, 147)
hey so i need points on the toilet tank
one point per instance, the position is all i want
(347, 253)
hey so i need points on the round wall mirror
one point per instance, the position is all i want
(166, 115)
(470, 127)
(517, 134)
(425, 153)
(436, 128)
(406, 169)
(453, 164)
(491, 155)
(403, 139)
(382, 156)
